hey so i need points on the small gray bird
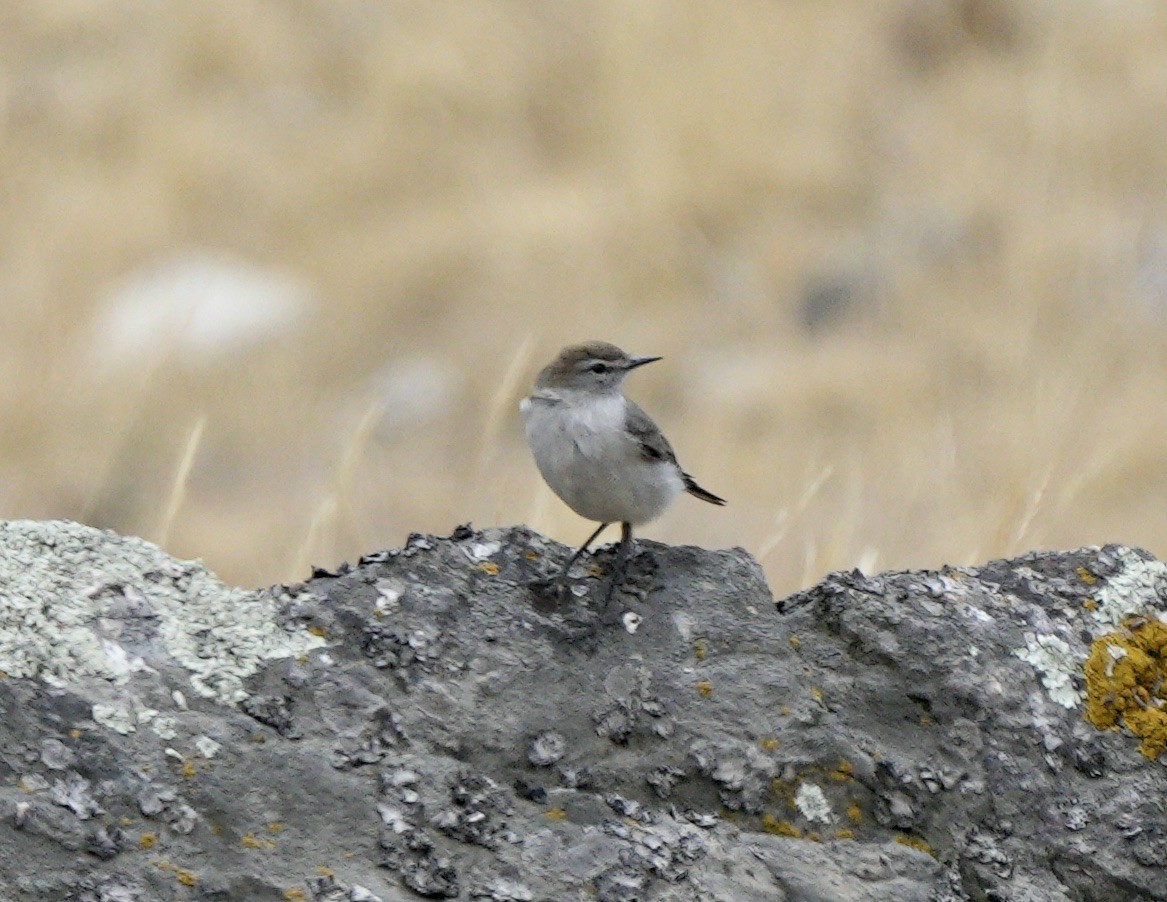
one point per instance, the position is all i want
(599, 451)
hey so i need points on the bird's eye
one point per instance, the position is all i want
(599, 367)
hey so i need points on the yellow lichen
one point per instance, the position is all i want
(816, 694)
(814, 836)
(844, 771)
(784, 789)
(274, 827)
(795, 642)
(182, 875)
(188, 769)
(844, 833)
(769, 744)
(784, 710)
(771, 824)
(1086, 576)
(322, 871)
(249, 841)
(555, 814)
(530, 555)
(699, 651)
(318, 631)
(294, 895)
(1126, 682)
(854, 813)
(147, 841)
(914, 842)
(74, 733)
(705, 688)
(489, 567)
(1090, 604)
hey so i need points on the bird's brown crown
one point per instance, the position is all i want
(589, 350)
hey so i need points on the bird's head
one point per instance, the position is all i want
(594, 366)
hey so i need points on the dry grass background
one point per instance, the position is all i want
(906, 261)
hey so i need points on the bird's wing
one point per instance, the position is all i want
(653, 444)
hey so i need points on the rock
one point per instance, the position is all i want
(833, 296)
(422, 725)
(412, 390)
(931, 33)
(200, 305)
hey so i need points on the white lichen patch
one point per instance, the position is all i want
(1133, 590)
(684, 624)
(482, 551)
(389, 592)
(1116, 653)
(116, 718)
(165, 727)
(1056, 663)
(120, 662)
(812, 804)
(59, 581)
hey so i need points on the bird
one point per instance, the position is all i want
(599, 451)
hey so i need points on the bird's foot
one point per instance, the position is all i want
(575, 624)
(629, 574)
(550, 592)
(632, 577)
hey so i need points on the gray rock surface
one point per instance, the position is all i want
(422, 724)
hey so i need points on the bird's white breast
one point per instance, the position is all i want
(585, 453)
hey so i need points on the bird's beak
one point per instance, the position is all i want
(634, 362)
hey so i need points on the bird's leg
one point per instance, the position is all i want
(623, 552)
(561, 579)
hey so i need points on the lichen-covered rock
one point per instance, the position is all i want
(1126, 682)
(78, 602)
(425, 725)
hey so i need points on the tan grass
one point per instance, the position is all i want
(500, 416)
(787, 515)
(335, 513)
(481, 183)
(181, 477)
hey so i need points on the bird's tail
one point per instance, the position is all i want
(693, 489)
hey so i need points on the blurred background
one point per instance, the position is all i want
(274, 275)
